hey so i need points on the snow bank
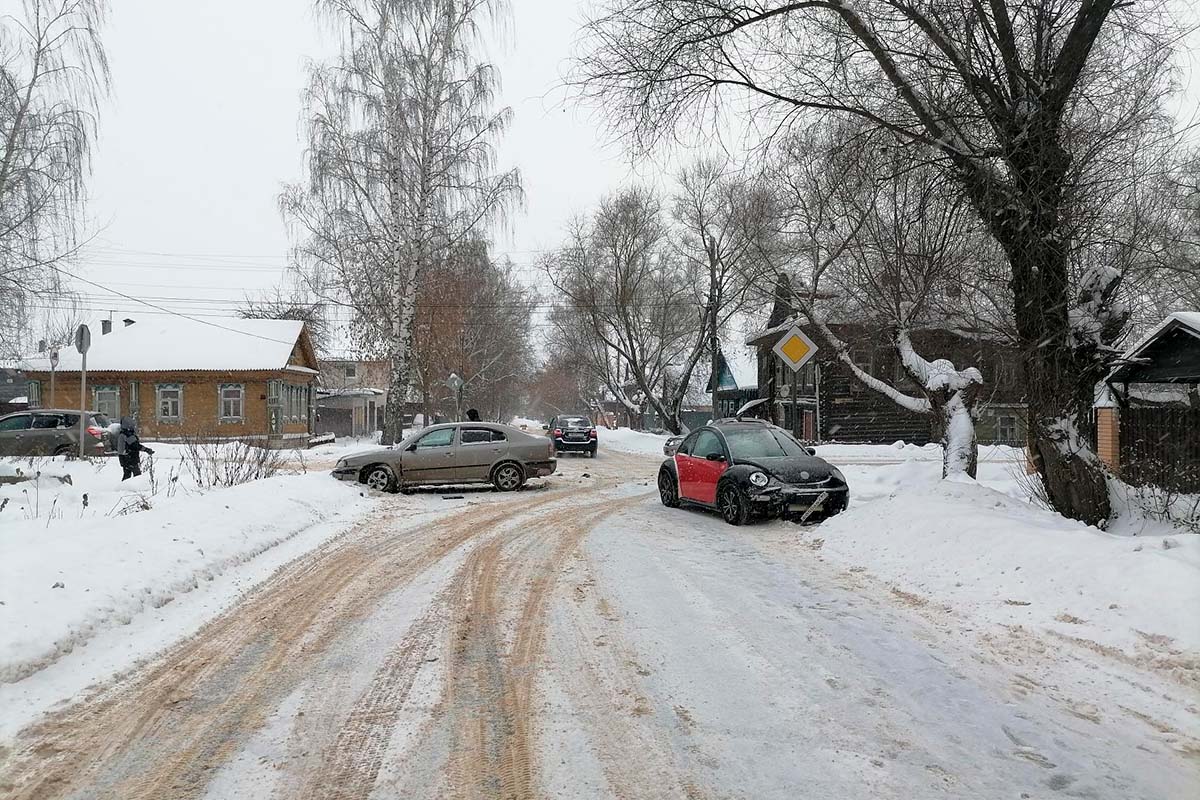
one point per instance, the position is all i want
(995, 557)
(630, 441)
(64, 579)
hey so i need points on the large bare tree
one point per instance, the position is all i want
(401, 164)
(724, 224)
(622, 278)
(1017, 101)
(53, 74)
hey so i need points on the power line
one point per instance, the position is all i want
(72, 275)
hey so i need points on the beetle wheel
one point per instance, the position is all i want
(732, 506)
(668, 489)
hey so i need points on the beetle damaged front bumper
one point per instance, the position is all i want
(793, 502)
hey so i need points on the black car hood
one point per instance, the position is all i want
(792, 469)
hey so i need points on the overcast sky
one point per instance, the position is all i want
(204, 128)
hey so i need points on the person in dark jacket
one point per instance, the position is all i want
(130, 449)
(472, 415)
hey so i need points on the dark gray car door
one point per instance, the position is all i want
(431, 458)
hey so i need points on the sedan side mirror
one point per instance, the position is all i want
(412, 448)
(545, 427)
(715, 457)
(812, 451)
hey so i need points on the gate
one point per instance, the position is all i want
(1161, 446)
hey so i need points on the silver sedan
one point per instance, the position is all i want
(459, 452)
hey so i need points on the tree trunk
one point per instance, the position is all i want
(960, 448)
(1026, 219)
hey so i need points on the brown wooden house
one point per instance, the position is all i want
(824, 401)
(244, 379)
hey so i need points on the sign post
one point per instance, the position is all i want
(83, 341)
(455, 384)
(795, 350)
(53, 367)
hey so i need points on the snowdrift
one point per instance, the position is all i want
(999, 559)
(69, 571)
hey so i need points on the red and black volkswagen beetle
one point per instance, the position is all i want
(750, 468)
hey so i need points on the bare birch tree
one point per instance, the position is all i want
(1017, 101)
(401, 164)
(53, 74)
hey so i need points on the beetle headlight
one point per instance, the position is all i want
(759, 479)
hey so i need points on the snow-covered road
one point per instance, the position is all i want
(582, 641)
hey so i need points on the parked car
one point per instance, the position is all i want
(750, 468)
(573, 433)
(459, 452)
(671, 445)
(54, 432)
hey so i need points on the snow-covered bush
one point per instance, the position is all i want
(216, 464)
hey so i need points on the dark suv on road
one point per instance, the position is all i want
(53, 432)
(572, 433)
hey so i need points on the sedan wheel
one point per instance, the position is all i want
(668, 490)
(379, 479)
(508, 477)
(734, 509)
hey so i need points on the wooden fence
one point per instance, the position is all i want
(1161, 446)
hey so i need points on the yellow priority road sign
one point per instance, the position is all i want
(795, 348)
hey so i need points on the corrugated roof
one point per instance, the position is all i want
(172, 344)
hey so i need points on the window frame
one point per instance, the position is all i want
(1000, 426)
(417, 444)
(33, 393)
(722, 450)
(349, 369)
(159, 388)
(106, 388)
(239, 417)
(23, 415)
(462, 436)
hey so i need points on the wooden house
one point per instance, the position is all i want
(824, 401)
(243, 379)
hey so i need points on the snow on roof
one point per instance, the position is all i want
(742, 365)
(168, 344)
(1188, 319)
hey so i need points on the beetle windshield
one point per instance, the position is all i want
(758, 442)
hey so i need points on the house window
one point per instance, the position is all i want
(107, 401)
(169, 402)
(34, 393)
(808, 376)
(351, 369)
(1006, 429)
(135, 401)
(233, 402)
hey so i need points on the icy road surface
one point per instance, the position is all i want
(581, 641)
